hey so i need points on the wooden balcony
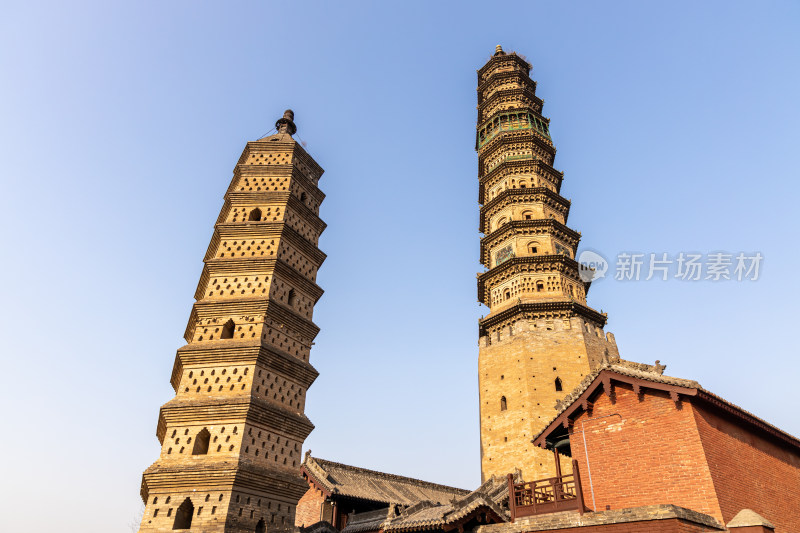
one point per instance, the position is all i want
(551, 495)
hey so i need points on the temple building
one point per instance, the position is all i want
(338, 491)
(231, 438)
(356, 500)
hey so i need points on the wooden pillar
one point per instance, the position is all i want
(512, 506)
(558, 462)
(578, 489)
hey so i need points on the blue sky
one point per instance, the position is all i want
(676, 126)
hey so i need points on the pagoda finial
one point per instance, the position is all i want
(498, 51)
(286, 123)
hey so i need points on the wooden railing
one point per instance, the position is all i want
(561, 493)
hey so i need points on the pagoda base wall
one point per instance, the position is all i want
(521, 365)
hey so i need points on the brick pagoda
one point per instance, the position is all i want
(540, 338)
(231, 437)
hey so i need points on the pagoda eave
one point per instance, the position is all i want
(248, 307)
(542, 310)
(218, 408)
(221, 474)
(242, 353)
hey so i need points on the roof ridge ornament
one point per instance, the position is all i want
(498, 51)
(286, 124)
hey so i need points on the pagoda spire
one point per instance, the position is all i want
(286, 124)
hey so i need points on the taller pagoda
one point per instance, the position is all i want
(231, 437)
(540, 338)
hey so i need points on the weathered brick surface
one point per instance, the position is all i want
(642, 450)
(750, 472)
(309, 508)
(647, 449)
(522, 367)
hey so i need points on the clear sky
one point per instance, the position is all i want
(676, 125)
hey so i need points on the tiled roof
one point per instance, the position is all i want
(427, 515)
(319, 527)
(654, 374)
(440, 516)
(369, 521)
(355, 482)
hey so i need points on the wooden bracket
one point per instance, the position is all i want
(608, 387)
(675, 397)
(637, 389)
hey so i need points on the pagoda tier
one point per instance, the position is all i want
(532, 279)
(532, 172)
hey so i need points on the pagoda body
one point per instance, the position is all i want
(540, 338)
(231, 437)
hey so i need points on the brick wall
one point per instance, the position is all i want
(308, 508)
(522, 366)
(750, 472)
(650, 454)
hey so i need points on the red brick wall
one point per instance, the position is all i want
(651, 455)
(308, 508)
(751, 472)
